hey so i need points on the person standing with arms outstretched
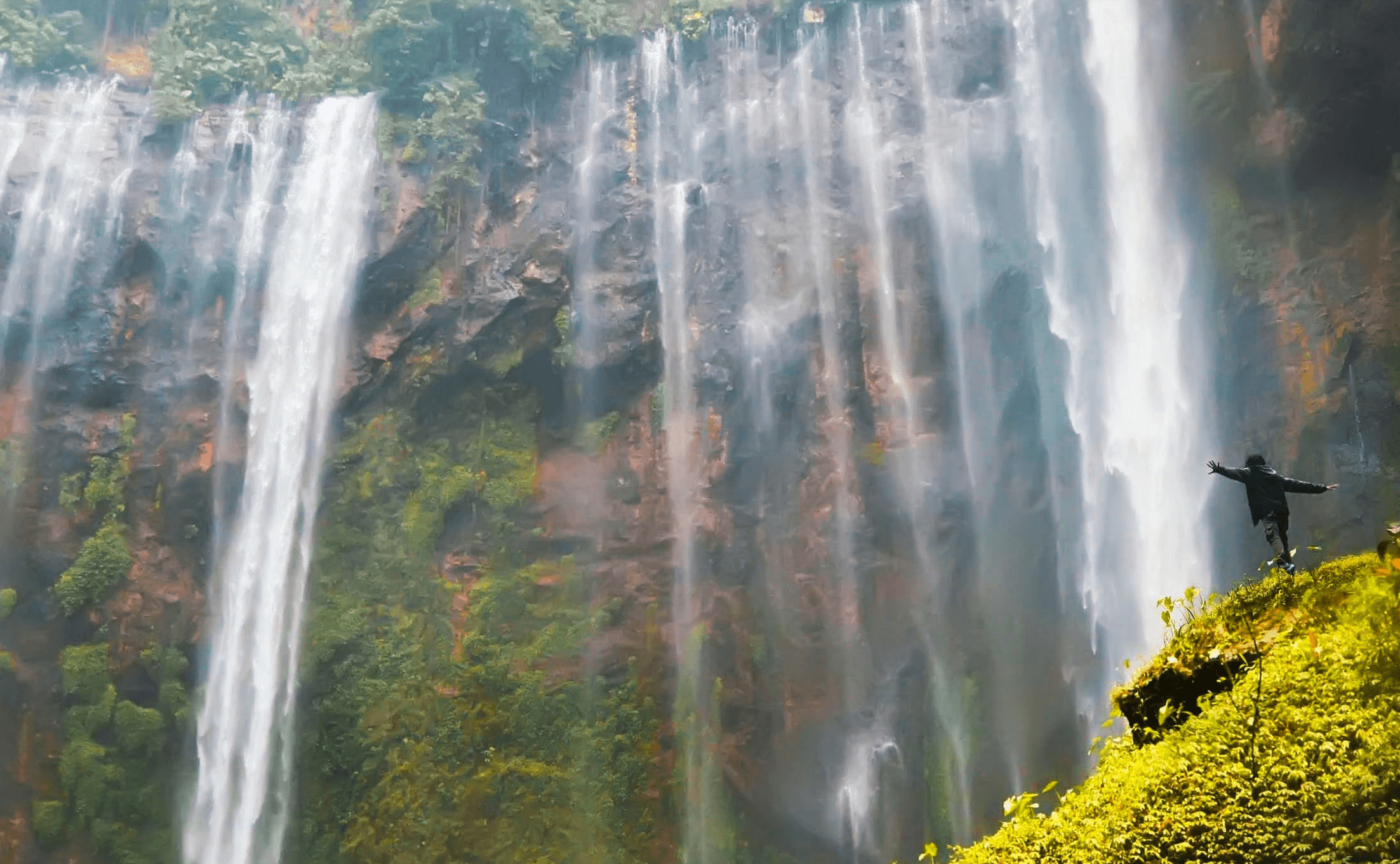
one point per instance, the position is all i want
(1267, 503)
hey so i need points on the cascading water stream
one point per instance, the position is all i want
(240, 807)
(673, 160)
(67, 219)
(600, 103)
(1144, 473)
(811, 131)
(265, 172)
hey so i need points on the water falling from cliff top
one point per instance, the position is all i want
(1151, 397)
(240, 809)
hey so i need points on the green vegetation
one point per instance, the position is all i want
(564, 326)
(1237, 256)
(7, 662)
(103, 562)
(48, 821)
(1212, 98)
(426, 58)
(597, 433)
(105, 558)
(447, 715)
(211, 50)
(1293, 761)
(115, 767)
(8, 598)
(36, 41)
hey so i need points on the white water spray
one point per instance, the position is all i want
(240, 809)
(1150, 443)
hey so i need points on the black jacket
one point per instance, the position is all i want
(1265, 488)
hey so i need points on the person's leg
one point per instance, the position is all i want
(1283, 540)
(1274, 533)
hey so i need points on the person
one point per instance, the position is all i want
(1265, 487)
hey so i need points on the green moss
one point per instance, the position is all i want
(85, 671)
(117, 769)
(8, 598)
(48, 822)
(503, 362)
(419, 678)
(563, 326)
(1293, 762)
(102, 563)
(1212, 97)
(139, 730)
(7, 662)
(492, 727)
(11, 465)
(1237, 255)
(87, 718)
(658, 407)
(597, 433)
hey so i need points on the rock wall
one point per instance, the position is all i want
(1298, 198)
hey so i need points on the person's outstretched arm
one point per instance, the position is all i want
(1236, 474)
(1303, 486)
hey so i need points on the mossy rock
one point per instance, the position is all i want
(1294, 761)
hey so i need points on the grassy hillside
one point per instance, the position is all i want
(1295, 758)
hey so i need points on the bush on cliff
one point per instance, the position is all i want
(118, 771)
(102, 563)
(1298, 759)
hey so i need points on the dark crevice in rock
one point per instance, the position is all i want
(1142, 704)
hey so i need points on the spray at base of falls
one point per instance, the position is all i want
(240, 808)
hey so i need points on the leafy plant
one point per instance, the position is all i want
(8, 598)
(32, 40)
(210, 50)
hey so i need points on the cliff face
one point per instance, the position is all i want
(1294, 142)
(493, 334)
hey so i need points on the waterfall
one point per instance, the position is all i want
(67, 223)
(240, 808)
(1144, 493)
(63, 215)
(674, 177)
(265, 171)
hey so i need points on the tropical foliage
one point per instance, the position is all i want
(31, 40)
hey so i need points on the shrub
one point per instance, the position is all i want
(85, 671)
(103, 562)
(8, 598)
(140, 730)
(48, 821)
